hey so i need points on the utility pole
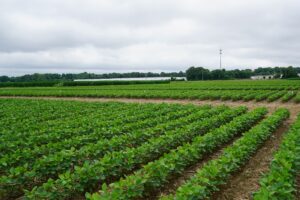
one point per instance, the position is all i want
(220, 59)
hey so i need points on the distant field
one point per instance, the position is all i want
(75, 150)
(246, 90)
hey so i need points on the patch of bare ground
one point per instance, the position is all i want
(292, 106)
(246, 181)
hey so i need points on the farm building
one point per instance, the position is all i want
(136, 79)
(262, 77)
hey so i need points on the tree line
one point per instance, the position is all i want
(200, 73)
(192, 73)
(85, 75)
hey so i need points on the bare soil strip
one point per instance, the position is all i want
(293, 107)
(246, 181)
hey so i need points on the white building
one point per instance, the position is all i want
(135, 79)
(262, 77)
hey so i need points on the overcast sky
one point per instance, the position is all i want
(137, 35)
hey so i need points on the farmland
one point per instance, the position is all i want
(52, 149)
(257, 91)
(149, 100)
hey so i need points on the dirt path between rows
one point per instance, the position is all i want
(246, 181)
(293, 107)
(176, 181)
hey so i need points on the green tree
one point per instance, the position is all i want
(289, 72)
(197, 73)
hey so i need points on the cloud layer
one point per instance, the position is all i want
(142, 35)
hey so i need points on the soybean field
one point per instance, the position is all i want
(236, 90)
(54, 149)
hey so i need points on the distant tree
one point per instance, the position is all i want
(193, 73)
(197, 73)
(297, 69)
(4, 79)
(67, 76)
(218, 74)
(181, 74)
(289, 72)
(264, 71)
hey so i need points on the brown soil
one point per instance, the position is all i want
(176, 181)
(246, 181)
(243, 183)
(293, 107)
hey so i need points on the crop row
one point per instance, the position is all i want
(19, 116)
(91, 128)
(153, 175)
(52, 165)
(63, 159)
(116, 164)
(245, 95)
(58, 149)
(18, 133)
(280, 181)
(215, 172)
(196, 85)
(28, 155)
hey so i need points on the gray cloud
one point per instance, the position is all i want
(139, 35)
